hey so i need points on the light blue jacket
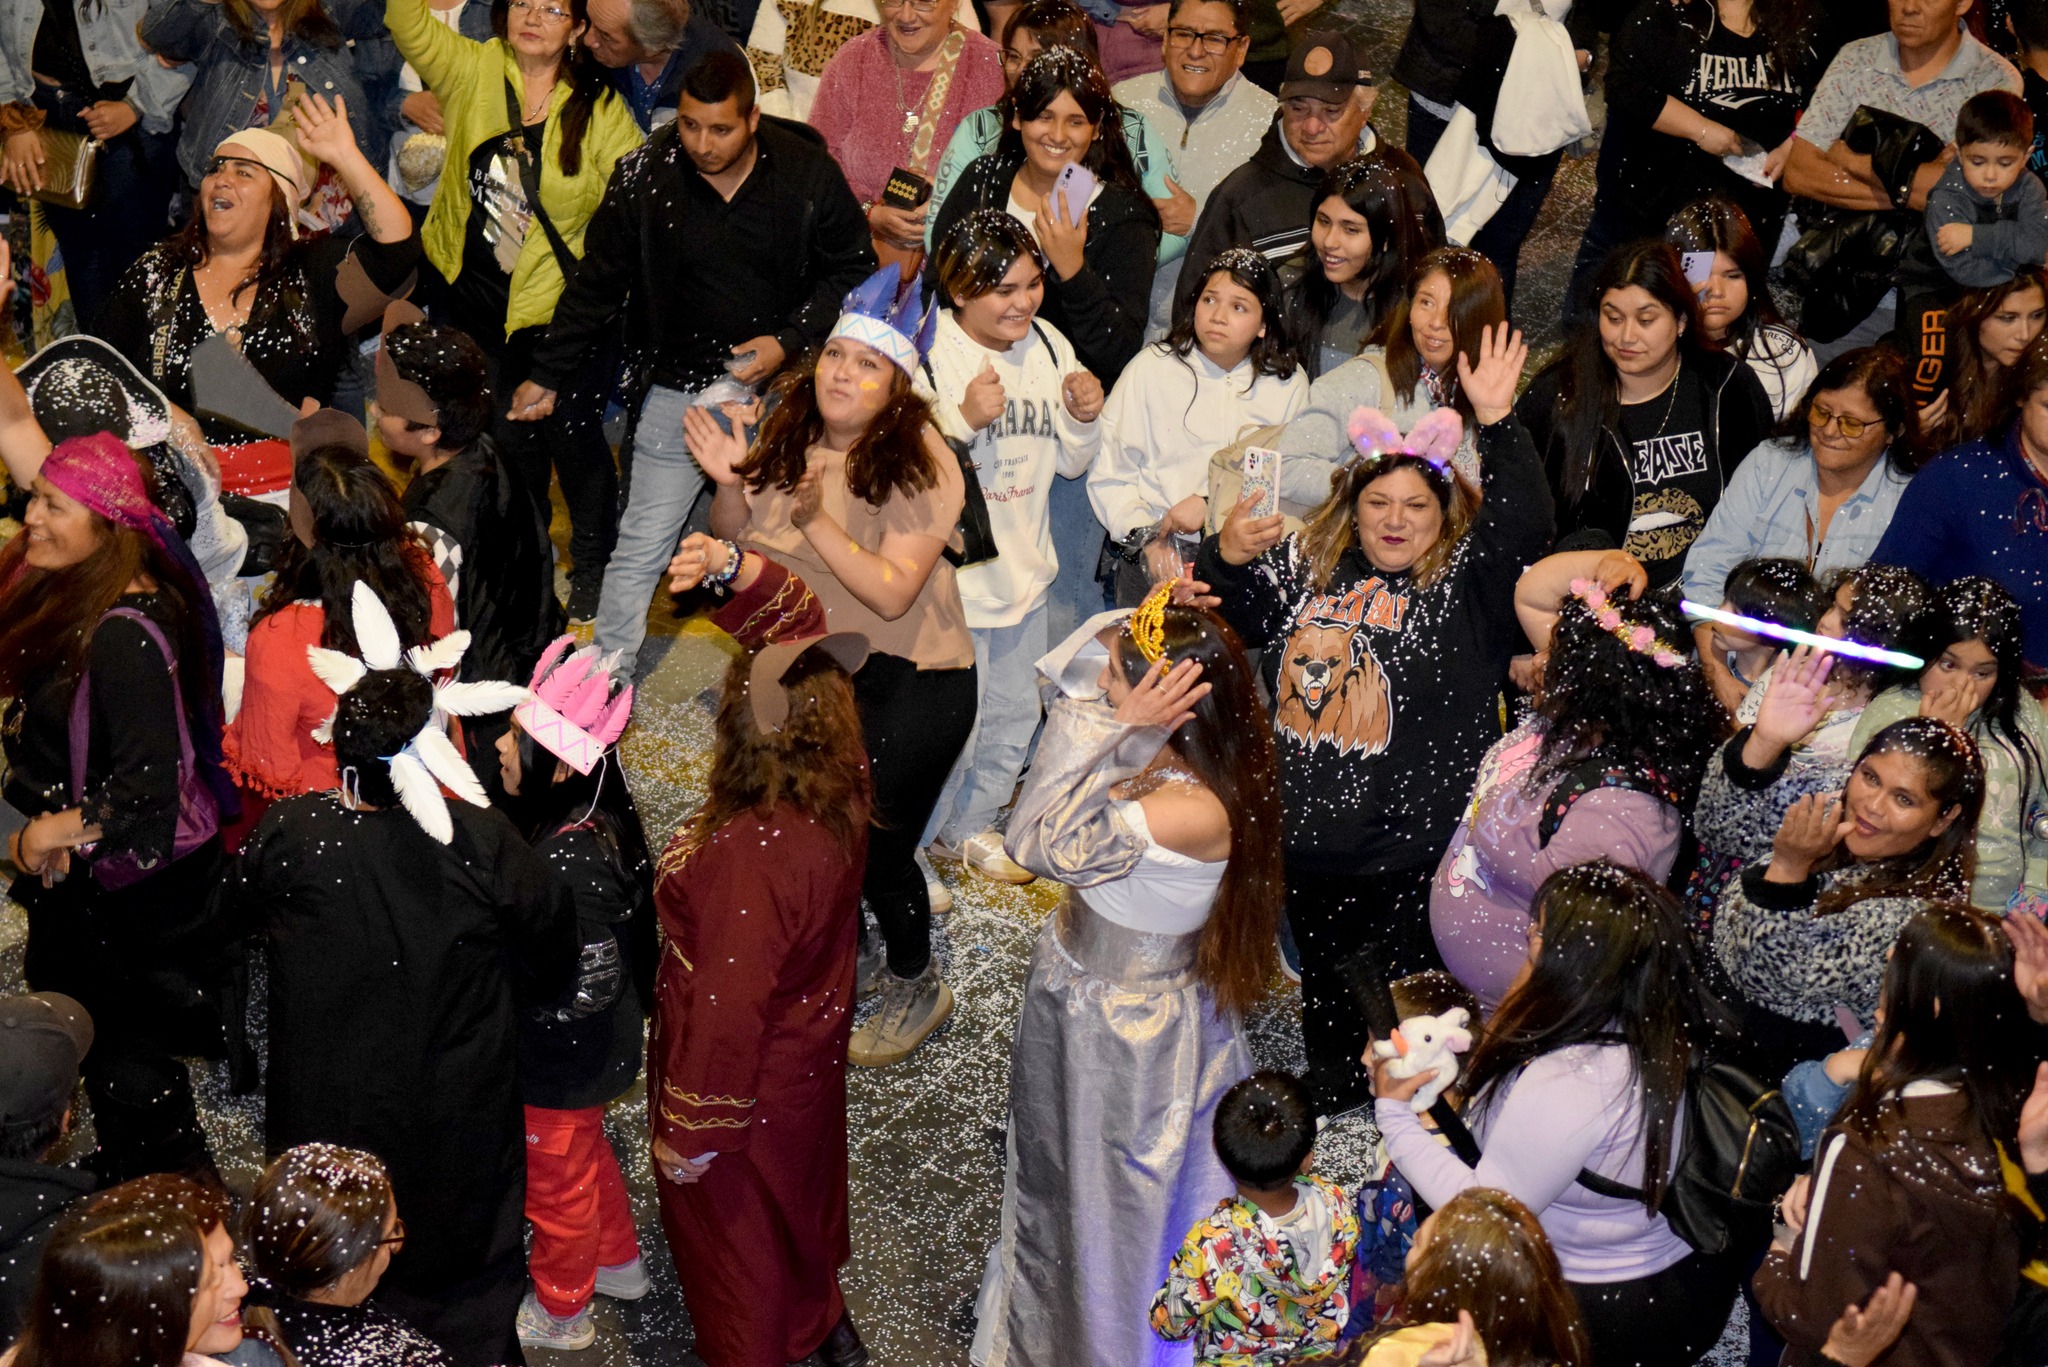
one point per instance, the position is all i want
(1771, 501)
(112, 53)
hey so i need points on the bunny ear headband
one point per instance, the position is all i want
(429, 760)
(1434, 441)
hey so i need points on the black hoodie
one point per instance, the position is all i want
(33, 1197)
(1265, 204)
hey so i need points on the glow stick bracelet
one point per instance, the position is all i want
(1756, 626)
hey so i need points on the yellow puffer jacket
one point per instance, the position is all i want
(469, 78)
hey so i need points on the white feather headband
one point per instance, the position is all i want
(429, 760)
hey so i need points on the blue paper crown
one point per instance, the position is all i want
(913, 318)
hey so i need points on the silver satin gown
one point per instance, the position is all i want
(1115, 1073)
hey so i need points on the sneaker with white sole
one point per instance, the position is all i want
(538, 1329)
(911, 1009)
(937, 893)
(985, 854)
(626, 1282)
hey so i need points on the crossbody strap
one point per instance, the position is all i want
(925, 144)
(81, 704)
(529, 181)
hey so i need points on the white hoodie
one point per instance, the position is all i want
(1015, 457)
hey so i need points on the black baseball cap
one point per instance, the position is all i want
(1326, 66)
(44, 1037)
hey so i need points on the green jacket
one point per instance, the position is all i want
(469, 78)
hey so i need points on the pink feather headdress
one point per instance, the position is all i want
(1435, 439)
(572, 713)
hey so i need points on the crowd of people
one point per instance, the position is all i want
(1115, 462)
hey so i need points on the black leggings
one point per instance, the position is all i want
(1667, 1319)
(915, 722)
(1334, 916)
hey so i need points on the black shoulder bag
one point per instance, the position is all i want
(529, 181)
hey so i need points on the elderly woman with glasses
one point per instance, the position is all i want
(1822, 491)
(891, 99)
(1387, 622)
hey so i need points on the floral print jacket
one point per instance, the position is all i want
(1235, 1289)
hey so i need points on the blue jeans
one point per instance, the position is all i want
(1076, 594)
(666, 483)
(1006, 716)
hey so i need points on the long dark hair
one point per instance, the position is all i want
(1616, 965)
(278, 264)
(1054, 23)
(1718, 224)
(889, 458)
(815, 762)
(306, 20)
(1951, 1014)
(1605, 702)
(136, 1255)
(1273, 352)
(1477, 303)
(1405, 225)
(587, 85)
(1981, 391)
(549, 804)
(316, 1215)
(47, 617)
(1588, 400)
(1049, 74)
(1940, 867)
(1487, 1255)
(1880, 373)
(1977, 609)
(359, 533)
(1229, 745)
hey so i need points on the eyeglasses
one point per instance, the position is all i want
(1818, 418)
(547, 12)
(1199, 41)
(397, 1236)
(916, 6)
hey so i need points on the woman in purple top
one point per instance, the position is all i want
(1583, 1067)
(1623, 727)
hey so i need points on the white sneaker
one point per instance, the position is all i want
(626, 1282)
(985, 854)
(940, 896)
(539, 1329)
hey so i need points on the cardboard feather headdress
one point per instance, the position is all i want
(571, 711)
(429, 760)
(901, 329)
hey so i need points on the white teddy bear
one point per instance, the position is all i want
(1421, 1043)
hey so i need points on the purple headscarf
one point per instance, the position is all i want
(101, 474)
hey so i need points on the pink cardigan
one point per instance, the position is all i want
(859, 107)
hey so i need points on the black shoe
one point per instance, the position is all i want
(583, 598)
(842, 1347)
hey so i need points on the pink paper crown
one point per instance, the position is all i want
(572, 713)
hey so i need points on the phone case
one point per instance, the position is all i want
(1073, 188)
(1262, 477)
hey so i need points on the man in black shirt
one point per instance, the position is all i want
(728, 242)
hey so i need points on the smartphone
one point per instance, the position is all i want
(1262, 477)
(1076, 184)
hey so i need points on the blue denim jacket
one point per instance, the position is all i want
(112, 53)
(227, 73)
(1815, 1097)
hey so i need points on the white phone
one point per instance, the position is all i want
(1262, 477)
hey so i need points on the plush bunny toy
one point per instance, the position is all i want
(1425, 1042)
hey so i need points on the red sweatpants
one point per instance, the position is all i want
(576, 1202)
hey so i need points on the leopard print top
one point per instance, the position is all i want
(814, 35)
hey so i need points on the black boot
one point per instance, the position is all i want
(842, 1347)
(145, 1121)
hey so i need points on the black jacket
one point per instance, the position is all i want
(584, 1047)
(1739, 418)
(1102, 310)
(1438, 47)
(694, 273)
(494, 557)
(1265, 204)
(33, 1197)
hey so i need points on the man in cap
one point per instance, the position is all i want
(1266, 204)
(43, 1040)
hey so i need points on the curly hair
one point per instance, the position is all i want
(890, 456)
(815, 762)
(1332, 528)
(1603, 701)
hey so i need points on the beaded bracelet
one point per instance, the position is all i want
(723, 579)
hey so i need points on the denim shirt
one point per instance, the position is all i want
(1769, 506)
(106, 32)
(228, 74)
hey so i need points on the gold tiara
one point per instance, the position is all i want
(1148, 624)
